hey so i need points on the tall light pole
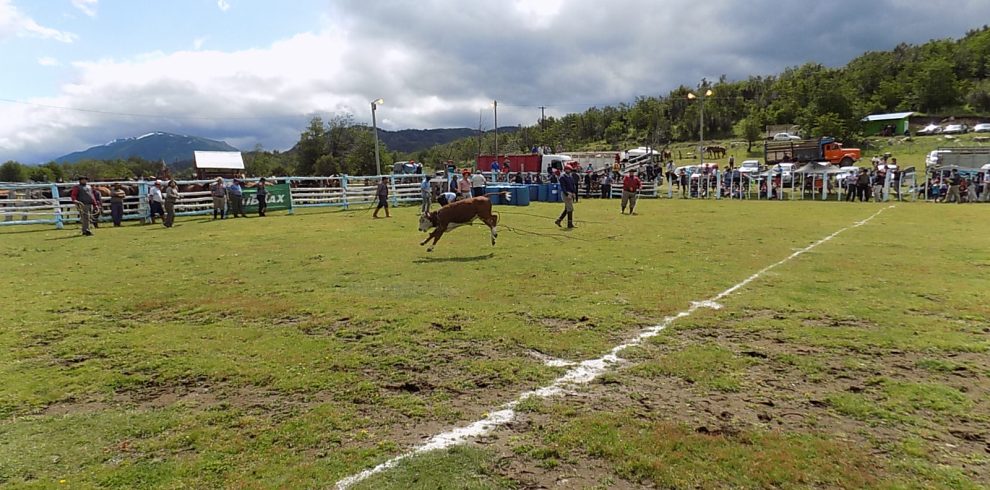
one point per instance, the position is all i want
(374, 123)
(495, 105)
(701, 121)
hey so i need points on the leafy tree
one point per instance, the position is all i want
(935, 85)
(751, 129)
(312, 145)
(12, 171)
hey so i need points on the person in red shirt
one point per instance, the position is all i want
(630, 191)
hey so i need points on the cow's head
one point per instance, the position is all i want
(427, 221)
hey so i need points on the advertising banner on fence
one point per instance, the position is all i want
(279, 198)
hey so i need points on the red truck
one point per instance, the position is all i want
(823, 150)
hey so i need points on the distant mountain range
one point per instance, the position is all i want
(178, 149)
(152, 146)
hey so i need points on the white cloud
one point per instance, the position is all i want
(87, 7)
(48, 61)
(224, 5)
(198, 42)
(13, 22)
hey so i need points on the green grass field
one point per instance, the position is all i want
(293, 351)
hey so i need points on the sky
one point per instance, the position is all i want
(79, 73)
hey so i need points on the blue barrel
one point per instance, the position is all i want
(544, 194)
(493, 195)
(534, 192)
(555, 195)
(520, 195)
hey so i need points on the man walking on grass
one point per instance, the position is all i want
(381, 194)
(630, 191)
(568, 186)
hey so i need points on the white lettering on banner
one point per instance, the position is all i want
(272, 199)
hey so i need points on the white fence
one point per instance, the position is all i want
(27, 204)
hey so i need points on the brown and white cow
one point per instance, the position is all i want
(458, 213)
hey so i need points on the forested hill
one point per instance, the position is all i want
(410, 140)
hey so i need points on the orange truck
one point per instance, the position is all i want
(823, 150)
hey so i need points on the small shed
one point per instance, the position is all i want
(212, 164)
(887, 124)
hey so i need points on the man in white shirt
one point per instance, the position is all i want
(446, 198)
(477, 184)
(156, 201)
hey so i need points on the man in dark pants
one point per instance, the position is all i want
(262, 196)
(381, 194)
(568, 186)
(863, 185)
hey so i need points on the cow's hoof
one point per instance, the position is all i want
(429, 250)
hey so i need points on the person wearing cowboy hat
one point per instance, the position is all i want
(85, 197)
(219, 193)
(156, 202)
(568, 187)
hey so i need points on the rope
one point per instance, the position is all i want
(557, 236)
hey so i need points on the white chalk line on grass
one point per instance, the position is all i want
(582, 373)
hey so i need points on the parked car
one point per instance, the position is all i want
(955, 129)
(749, 166)
(930, 129)
(982, 128)
(786, 172)
(786, 137)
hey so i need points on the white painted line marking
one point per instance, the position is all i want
(582, 373)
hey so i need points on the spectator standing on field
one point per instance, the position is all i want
(219, 193)
(235, 197)
(478, 184)
(630, 192)
(568, 186)
(606, 185)
(156, 201)
(426, 194)
(464, 185)
(381, 194)
(171, 196)
(953, 194)
(863, 185)
(117, 196)
(262, 196)
(85, 197)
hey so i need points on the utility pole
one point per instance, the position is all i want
(495, 105)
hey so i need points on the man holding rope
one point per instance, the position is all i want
(630, 191)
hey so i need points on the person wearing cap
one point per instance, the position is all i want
(219, 193)
(156, 201)
(235, 198)
(117, 196)
(568, 186)
(630, 191)
(478, 183)
(262, 196)
(85, 197)
(425, 194)
(171, 197)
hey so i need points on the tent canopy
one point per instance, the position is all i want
(814, 168)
